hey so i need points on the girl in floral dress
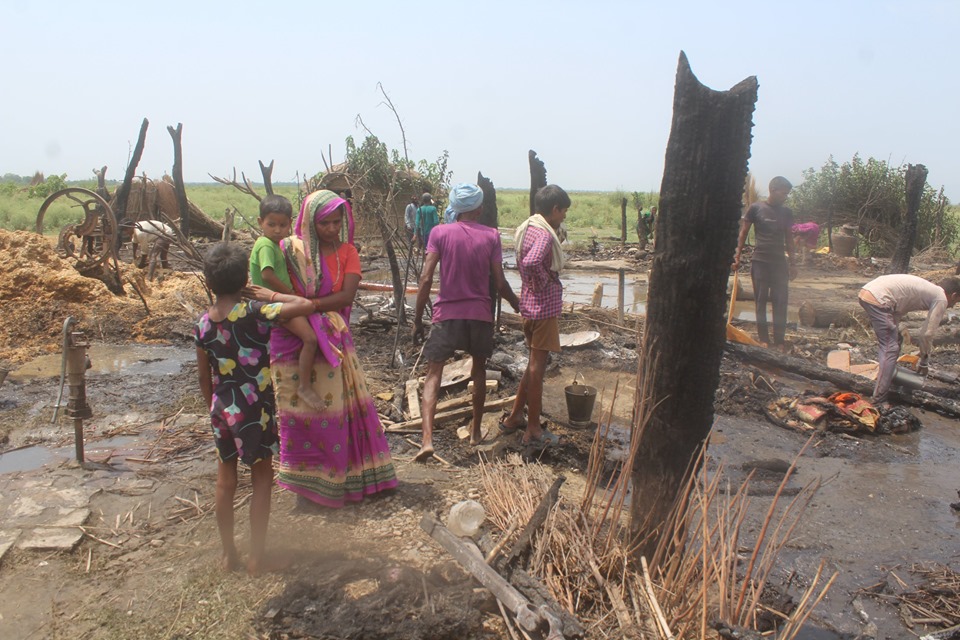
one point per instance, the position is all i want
(233, 363)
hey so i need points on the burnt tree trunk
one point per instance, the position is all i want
(916, 179)
(623, 221)
(700, 200)
(178, 185)
(399, 289)
(267, 173)
(123, 193)
(490, 217)
(538, 177)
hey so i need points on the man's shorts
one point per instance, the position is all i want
(473, 336)
(542, 334)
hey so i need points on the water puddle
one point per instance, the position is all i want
(35, 457)
(142, 360)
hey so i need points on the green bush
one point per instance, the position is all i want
(871, 194)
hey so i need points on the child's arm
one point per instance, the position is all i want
(206, 379)
(271, 280)
(291, 305)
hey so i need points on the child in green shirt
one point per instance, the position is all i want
(268, 268)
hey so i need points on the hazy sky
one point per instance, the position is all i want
(588, 85)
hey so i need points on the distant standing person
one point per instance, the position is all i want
(769, 269)
(886, 300)
(468, 253)
(427, 218)
(410, 219)
(540, 261)
(805, 238)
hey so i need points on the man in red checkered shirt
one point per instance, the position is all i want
(540, 260)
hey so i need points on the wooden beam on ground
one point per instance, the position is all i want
(492, 405)
(525, 540)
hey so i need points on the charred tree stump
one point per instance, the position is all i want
(821, 314)
(538, 177)
(123, 193)
(916, 180)
(623, 221)
(706, 165)
(490, 217)
(178, 185)
(267, 173)
(102, 183)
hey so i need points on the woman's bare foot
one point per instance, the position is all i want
(425, 453)
(310, 397)
(230, 560)
(268, 563)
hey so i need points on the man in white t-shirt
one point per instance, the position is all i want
(886, 300)
(146, 233)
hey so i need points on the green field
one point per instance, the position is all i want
(594, 213)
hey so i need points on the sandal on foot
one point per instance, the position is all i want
(546, 439)
(507, 429)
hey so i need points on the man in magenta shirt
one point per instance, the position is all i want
(468, 253)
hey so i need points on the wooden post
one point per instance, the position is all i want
(538, 176)
(178, 186)
(621, 285)
(623, 221)
(704, 173)
(916, 179)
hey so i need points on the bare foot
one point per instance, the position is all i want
(310, 397)
(269, 563)
(230, 561)
(476, 437)
(425, 453)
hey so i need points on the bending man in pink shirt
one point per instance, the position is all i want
(540, 260)
(468, 253)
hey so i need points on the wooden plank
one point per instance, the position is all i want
(493, 405)
(839, 359)
(413, 399)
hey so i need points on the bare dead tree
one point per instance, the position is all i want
(102, 183)
(246, 187)
(180, 189)
(623, 221)
(267, 173)
(123, 193)
(490, 217)
(403, 133)
(701, 193)
(538, 176)
(916, 179)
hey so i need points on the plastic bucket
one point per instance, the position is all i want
(580, 401)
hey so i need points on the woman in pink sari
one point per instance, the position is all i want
(337, 454)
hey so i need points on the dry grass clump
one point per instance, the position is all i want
(707, 572)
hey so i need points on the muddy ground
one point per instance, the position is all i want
(147, 565)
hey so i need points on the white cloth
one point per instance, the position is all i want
(146, 232)
(539, 222)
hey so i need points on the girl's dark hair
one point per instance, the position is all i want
(225, 268)
(275, 204)
(549, 197)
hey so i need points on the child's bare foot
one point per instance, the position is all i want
(310, 397)
(268, 563)
(476, 437)
(425, 453)
(230, 561)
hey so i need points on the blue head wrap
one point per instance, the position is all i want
(463, 197)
